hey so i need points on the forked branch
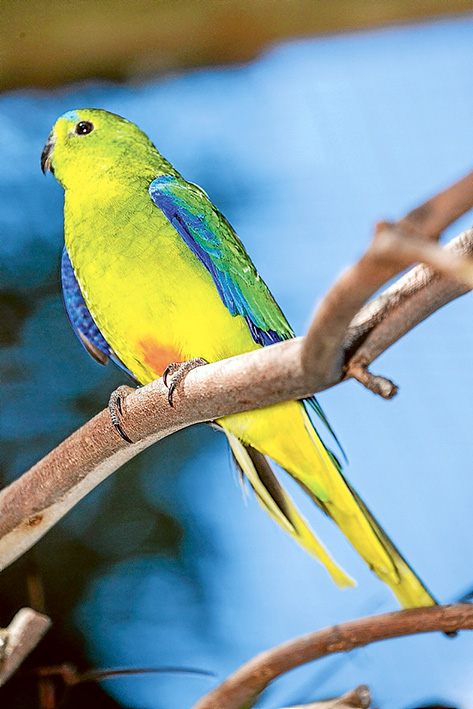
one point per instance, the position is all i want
(340, 339)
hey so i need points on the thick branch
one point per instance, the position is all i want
(342, 341)
(35, 502)
(244, 685)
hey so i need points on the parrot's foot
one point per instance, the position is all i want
(179, 371)
(115, 409)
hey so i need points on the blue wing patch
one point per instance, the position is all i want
(211, 238)
(262, 337)
(198, 222)
(81, 320)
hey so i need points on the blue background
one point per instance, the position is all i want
(303, 150)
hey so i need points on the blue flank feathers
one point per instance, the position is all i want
(76, 309)
(80, 318)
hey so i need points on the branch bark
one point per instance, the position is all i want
(243, 687)
(358, 698)
(342, 340)
(391, 251)
(388, 317)
(417, 279)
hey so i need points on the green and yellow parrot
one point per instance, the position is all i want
(154, 274)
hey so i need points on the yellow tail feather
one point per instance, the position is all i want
(350, 513)
(277, 503)
(285, 433)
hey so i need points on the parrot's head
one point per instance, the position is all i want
(88, 143)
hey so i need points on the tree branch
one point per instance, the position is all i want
(391, 251)
(243, 687)
(19, 639)
(409, 301)
(427, 221)
(435, 215)
(358, 698)
(340, 339)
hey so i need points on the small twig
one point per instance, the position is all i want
(57, 681)
(374, 382)
(358, 698)
(247, 683)
(19, 639)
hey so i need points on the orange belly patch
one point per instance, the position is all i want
(156, 356)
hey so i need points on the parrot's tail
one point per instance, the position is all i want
(278, 504)
(318, 473)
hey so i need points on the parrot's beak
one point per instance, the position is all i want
(47, 153)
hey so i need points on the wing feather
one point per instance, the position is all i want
(212, 239)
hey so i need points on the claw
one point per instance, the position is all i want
(170, 369)
(179, 371)
(171, 392)
(115, 409)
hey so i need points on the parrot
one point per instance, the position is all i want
(156, 280)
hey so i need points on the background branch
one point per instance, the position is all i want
(243, 686)
(19, 639)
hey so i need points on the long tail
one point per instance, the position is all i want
(307, 460)
(278, 504)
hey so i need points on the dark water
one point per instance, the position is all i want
(165, 564)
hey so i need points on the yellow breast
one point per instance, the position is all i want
(150, 296)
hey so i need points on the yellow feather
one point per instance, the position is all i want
(292, 521)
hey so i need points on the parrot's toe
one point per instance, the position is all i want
(115, 409)
(169, 371)
(179, 371)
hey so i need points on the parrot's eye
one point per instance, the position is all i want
(84, 127)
